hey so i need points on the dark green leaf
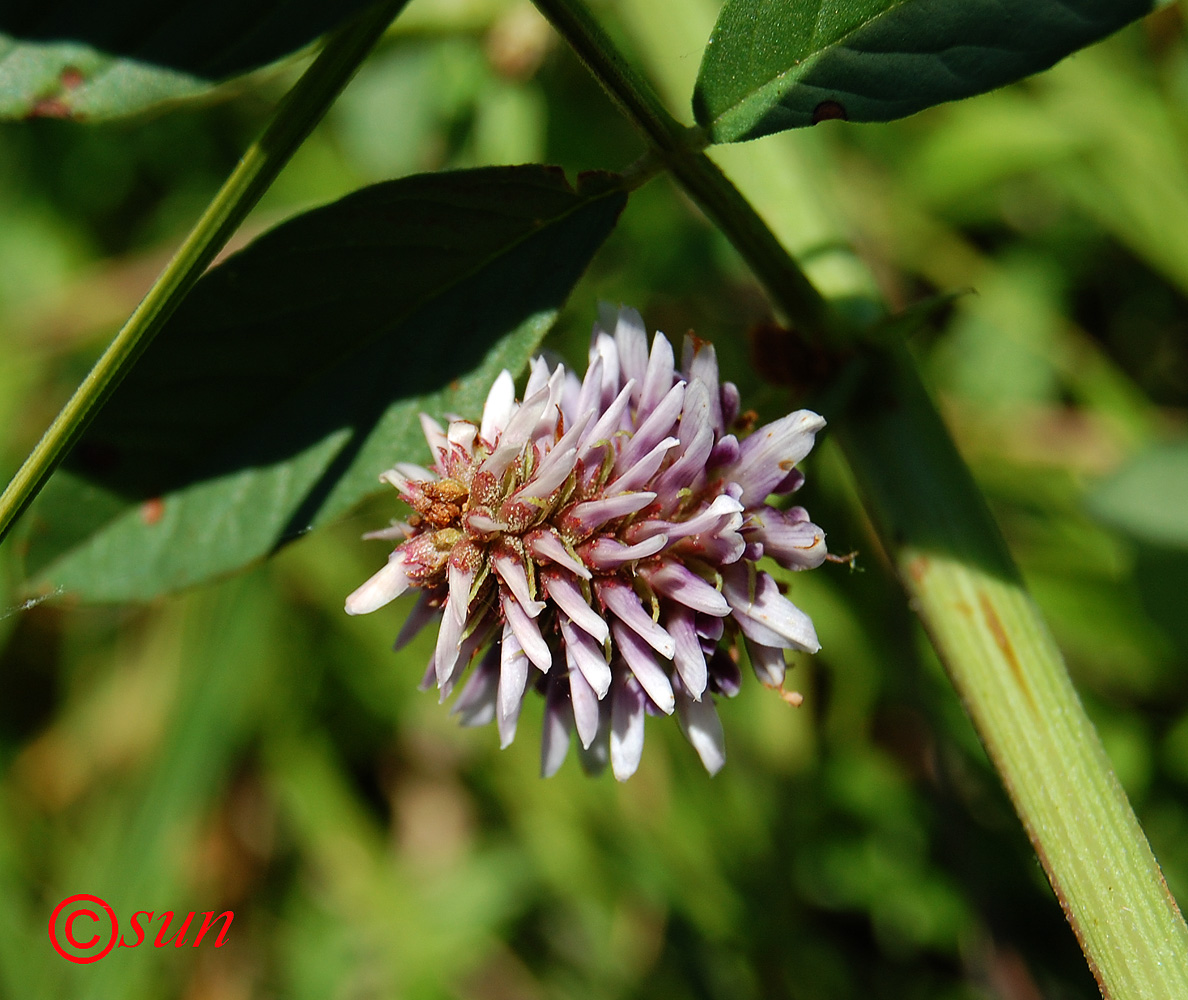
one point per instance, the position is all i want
(294, 372)
(88, 60)
(776, 64)
(1148, 497)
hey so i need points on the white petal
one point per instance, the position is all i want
(768, 455)
(543, 543)
(449, 637)
(642, 471)
(768, 663)
(703, 729)
(724, 514)
(461, 434)
(604, 348)
(694, 412)
(590, 397)
(553, 471)
(623, 601)
(642, 661)
(466, 650)
(513, 678)
(555, 729)
(428, 678)
(675, 581)
(654, 429)
(688, 659)
(684, 471)
(569, 398)
(596, 756)
(523, 422)
(632, 342)
(584, 518)
(790, 539)
(382, 588)
(583, 653)
(569, 598)
(410, 470)
(607, 424)
(497, 410)
(435, 435)
(546, 426)
(538, 376)
(511, 572)
(460, 581)
(570, 439)
(527, 632)
(396, 530)
(659, 377)
(767, 616)
(627, 728)
(585, 707)
(699, 362)
(605, 553)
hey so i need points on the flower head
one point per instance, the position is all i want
(598, 541)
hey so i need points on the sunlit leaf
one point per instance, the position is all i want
(89, 61)
(776, 64)
(294, 373)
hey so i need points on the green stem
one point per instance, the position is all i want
(680, 150)
(301, 109)
(1011, 677)
(963, 584)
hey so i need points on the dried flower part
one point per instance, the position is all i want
(599, 540)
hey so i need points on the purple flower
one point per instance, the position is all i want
(598, 541)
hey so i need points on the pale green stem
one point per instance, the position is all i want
(300, 110)
(1012, 680)
(962, 583)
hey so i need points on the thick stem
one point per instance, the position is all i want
(301, 109)
(963, 584)
(1011, 677)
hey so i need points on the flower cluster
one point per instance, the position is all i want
(599, 540)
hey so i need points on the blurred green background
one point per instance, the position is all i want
(247, 746)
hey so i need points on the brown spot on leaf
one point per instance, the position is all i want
(50, 107)
(71, 78)
(151, 511)
(827, 110)
(917, 567)
(1003, 642)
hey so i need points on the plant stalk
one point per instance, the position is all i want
(680, 149)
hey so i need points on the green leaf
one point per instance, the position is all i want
(293, 374)
(777, 64)
(1145, 498)
(90, 61)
